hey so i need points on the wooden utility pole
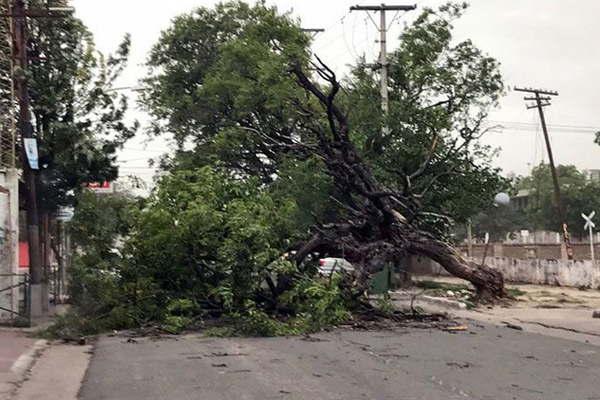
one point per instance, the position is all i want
(382, 27)
(19, 14)
(19, 17)
(542, 99)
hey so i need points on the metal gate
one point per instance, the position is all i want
(21, 284)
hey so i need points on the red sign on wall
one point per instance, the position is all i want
(23, 255)
(100, 187)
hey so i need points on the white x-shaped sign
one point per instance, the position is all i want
(588, 220)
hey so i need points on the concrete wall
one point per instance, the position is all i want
(9, 240)
(581, 273)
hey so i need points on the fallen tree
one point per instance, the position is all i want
(393, 192)
(378, 225)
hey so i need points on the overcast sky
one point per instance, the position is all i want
(548, 44)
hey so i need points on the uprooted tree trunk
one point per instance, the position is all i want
(379, 224)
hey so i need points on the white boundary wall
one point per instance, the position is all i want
(582, 273)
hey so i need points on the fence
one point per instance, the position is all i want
(544, 251)
(16, 313)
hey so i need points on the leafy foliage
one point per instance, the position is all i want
(212, 239)
(208, 235)
(79, 120)
(440, 93)
(204, 245)
(98, 228)
(219, 80)
(579, 195)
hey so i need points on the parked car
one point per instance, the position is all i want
(329, 265)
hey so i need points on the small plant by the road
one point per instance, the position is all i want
(385, 305)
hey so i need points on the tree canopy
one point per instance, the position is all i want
(220, 80)
(79, 120)
(248, 102)
(579, 195)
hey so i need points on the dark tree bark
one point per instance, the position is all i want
(378, 224)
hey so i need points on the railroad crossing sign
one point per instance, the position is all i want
(590, 225)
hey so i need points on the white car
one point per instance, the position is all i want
(329, 265)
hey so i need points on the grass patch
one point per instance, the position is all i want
(515, 292)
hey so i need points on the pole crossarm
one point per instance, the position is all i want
(529, 107)
(383, 7)
(536, 91)
(545, 98)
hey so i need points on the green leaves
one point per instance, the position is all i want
(440, 93)
(579, 195)
(203, 230)
(220, 78)
(79, 119)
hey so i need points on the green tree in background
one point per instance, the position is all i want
(579, 195)
(80, 121)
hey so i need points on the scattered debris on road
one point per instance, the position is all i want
(459, 364)
(512, 326)
(458, 328)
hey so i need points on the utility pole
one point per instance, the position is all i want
(19, 17)
(542, 99)
(382, 27)
(19, 14)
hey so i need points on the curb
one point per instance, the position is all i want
(437, 301)
(27, 359)
(441, 301)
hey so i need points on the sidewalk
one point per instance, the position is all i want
(548, 310)
(57, 375)
(17, 354)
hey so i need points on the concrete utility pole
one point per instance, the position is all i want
(383, 63)
(540, 103)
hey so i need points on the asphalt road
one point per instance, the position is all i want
(487, 362)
